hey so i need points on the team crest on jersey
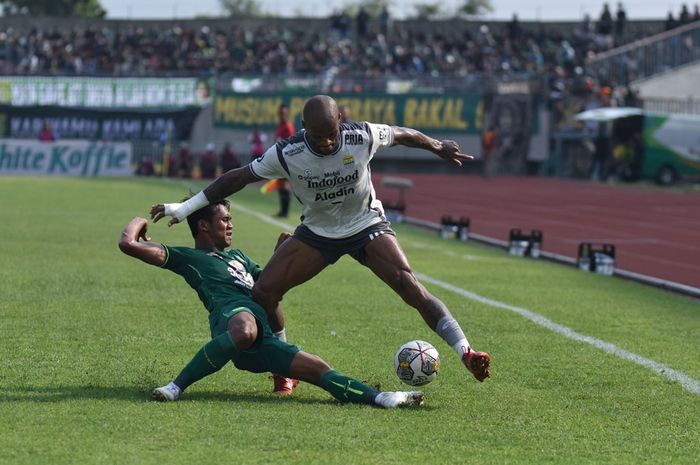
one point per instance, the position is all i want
(348, 161)
(383, 135)
(236, 264)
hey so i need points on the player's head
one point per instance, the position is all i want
(321, 119)
(283, 113)
(212, 224)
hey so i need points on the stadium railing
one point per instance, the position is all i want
(647, 57)
(688, 106)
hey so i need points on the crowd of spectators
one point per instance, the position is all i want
(361, 45)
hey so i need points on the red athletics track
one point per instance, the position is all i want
(655, 233)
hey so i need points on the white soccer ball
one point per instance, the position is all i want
(417, 363)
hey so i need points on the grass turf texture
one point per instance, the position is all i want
(86, 332)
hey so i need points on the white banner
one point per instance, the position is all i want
(102, 92)
(20, 157)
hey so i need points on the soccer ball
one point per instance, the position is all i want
(417, 363)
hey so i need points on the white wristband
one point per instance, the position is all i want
(184, 209)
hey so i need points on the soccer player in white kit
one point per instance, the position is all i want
(327, 164)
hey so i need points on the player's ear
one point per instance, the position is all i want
(202, 225)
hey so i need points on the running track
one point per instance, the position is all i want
(656, 233)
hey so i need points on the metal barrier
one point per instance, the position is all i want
(649, 56)
(667, 105)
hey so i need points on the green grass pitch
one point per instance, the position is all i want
(86, 332)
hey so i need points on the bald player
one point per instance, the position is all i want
(327, 164)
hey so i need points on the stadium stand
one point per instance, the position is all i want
(458, 48)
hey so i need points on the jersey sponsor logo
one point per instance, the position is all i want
(342, 192)
(294, 150)
(237, 270)
(353, 139)
(335, 180)
(307, 176)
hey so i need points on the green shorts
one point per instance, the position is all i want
(267, 354)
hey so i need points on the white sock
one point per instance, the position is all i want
(281, 335)
(448, 329)
(461, 347)
(172, 386)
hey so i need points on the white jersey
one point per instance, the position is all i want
(335, 190)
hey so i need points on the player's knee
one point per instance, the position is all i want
(243, 331)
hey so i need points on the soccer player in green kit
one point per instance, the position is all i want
(239, 327)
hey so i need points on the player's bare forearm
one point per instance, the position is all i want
(229, 183)
(409, 137)
(135, 242)
(446, 149)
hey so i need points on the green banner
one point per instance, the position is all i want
(435, 113)
(103, 92)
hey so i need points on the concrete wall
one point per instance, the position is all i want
(680, 83)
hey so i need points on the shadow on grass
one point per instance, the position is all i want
(57, 394)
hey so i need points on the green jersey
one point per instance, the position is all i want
(222, 279)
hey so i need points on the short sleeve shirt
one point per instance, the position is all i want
(222, 279)
(336, 192)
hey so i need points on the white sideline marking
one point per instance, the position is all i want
(688, 383)
(262, 216)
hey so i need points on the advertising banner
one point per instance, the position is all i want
(112, 125)
(435, 113)
(64, 158)
(103, 92)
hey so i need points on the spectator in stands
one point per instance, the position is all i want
(385, 18)
(185, 161)
(362, 21)
(566, 55)
(670, 22)
(696, 13)
(620, 20)
(514, 29)
(257, 141)
(605, 23)
(47, 134)
(340, 23)
(229, 161)
(684, 17)
(585, 29)
(209, 162)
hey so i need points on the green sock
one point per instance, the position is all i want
(209, 359)
(347, 389)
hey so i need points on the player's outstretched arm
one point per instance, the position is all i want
(228, 183)
(136, 243)
(446, 149)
